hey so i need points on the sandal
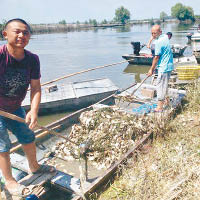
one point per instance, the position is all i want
(20, 191)
(45, 169)
(36, 189)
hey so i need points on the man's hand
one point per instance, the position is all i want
(154, 64)
(150, 72)
(32, 115)
(31, 119)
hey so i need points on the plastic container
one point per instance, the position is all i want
(32, 197)
(188, 72)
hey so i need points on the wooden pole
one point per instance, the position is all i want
(87, 70)
(19, 119)
(138, 87)
(13, 149)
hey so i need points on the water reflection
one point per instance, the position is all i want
(47, 119)
(138, 70)
(182, 27)
(123, 29)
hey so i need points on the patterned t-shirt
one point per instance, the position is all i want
(15, 77)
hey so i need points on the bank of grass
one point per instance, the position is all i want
(171, 168)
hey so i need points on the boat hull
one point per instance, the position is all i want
(138, 60)
(73, 96)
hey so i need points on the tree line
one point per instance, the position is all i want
(123, 15)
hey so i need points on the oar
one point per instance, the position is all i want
(19, 119)
(138, 87)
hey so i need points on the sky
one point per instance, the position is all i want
(53, 11)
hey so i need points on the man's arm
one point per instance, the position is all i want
(149, 42)
(32, 115)
(153, 66)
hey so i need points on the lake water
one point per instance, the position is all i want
(65, 53)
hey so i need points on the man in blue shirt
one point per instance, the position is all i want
(163, 59)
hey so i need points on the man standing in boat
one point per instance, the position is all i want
(19, 68)
(163, 60)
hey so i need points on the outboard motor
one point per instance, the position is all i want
(136, 48)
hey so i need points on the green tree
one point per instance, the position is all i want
(182, 12)
(94, 22)
(62, 22)
(2, 25)
(163, 16)
(104, 21)
(90, 21)
(122, 15)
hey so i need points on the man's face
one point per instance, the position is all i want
(155, 33)
(17, 34)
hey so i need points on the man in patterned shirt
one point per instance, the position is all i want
(19, 68)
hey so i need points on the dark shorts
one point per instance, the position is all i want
(22, 132)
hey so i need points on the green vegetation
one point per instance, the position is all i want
(122, 15)
(62, 22)
(104, 21)
(182, 12)
(93, 22)
(163, 16)
(197, 17)
(1, 28)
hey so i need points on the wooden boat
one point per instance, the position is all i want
(185, 60)
(195, 37)
(146, 59)
(138, 58)
(142, 59)
(72, 96)
(67, 179)
(146, 95)
(178, 50)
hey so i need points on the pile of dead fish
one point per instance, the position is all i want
(110, 133)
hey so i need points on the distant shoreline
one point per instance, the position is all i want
(59, 28)
(53, 28)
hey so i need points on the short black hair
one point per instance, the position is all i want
(169, 33)
(17, 20)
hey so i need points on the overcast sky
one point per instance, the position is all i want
(53, 11)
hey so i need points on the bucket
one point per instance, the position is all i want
(188, 72)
